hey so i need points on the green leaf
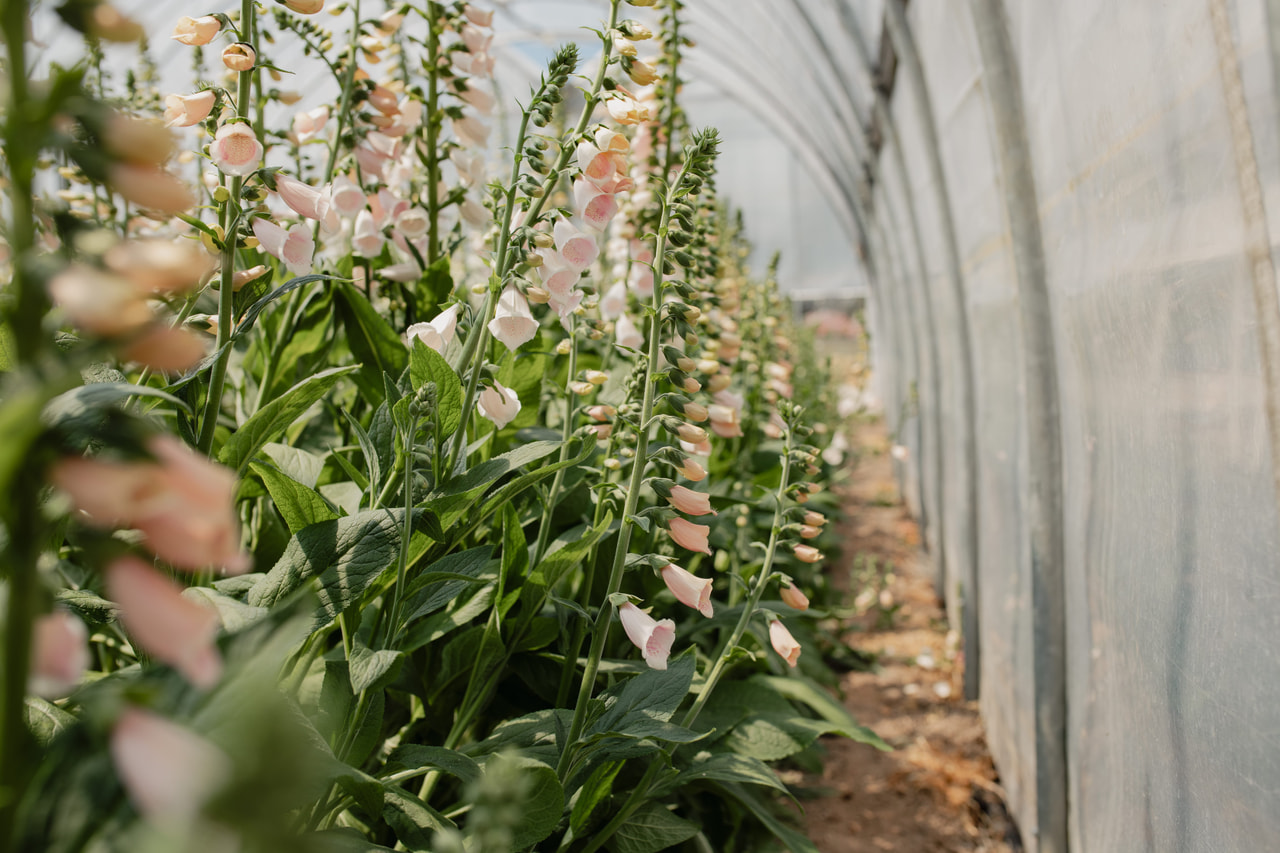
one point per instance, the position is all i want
(276, 416)
(534, 734)
(431, 590)
(804, 690)
(299, 506)
(346, 555)
(728, 767)
(437, 284)
(792, 840)
(370, 669)
(80, 407)
(371, 460)
(250, 314)
(413, 756)
(371, 339)
(652, 695)
(543, 802)
(46, 720)
(301, 465)
(515, 559)
(427, 365)
(88, 605)
(650, 829)
(234, 614)
(414, 822)
(592, 793)
(556, 563)
(460, 611)
(486, 472)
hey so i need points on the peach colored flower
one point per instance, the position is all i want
(168, 771)
(625, 333)
(239, 56)
(305, 7)
(688, 535)
(689, 589)
(294, 247)
(241, 278)
(692, 434)
(302, 198)
(235, 149)
(165, 348)
(794, 598)
(691, 502)
(577, 249)
(691, 470)
(816, 519)
(601, 413)
(164, 623)
(625, 109)
(347, 197)
(807, 553)
(653, 638)
(196, 31)
(159, 265)
(783, 643)
(499, 404)
(59, 654)
(471, 132)
(513, 322)
(808, 531)
(99, 302)
(187, 110)
(477, 98)
(307, 125)
(695, 412)
(479, 17)
(412, 223)
(150, 187)
(439, 332)
(597, 206)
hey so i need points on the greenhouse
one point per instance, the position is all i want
(639, 425)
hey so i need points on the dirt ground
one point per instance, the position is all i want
(937, 791)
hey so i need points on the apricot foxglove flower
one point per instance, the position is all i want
(347, 197)
(626, 334)
(235, 149)
(308, 125)
(807, 553)
(689, 589)
(814, 518)
(165, 348)
(513, 322)
(652, 637)
(196, 31)
(302, 198)
(808, 531)
(164, 623)
(169, 771)
(477, 16)
(439, 332)
(150, 187)
(366, 239)
(59, 654)
(688, 535)
(794, 598)
(239, 56)
(188, 110)
(577, 249)
(471, 132)
(597, 206)
(691, 470)
(499, 404)
(783, 643)
(690, 502)
(294, 247)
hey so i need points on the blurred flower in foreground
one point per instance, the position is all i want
(59, 654)
(169, 771)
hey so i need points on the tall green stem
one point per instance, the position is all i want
(230, 216)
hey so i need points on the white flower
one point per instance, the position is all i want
(438, 333)
(513, 322)
(499, 404)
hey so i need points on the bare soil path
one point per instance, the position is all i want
(937, 791)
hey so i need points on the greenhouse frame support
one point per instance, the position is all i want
(1043, 422)
(905, 47)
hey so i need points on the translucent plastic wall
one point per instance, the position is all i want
(1110, 166)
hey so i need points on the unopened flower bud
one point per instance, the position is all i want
(815, 519)
(624, 47)
(719, 382)
(564, 347)
(239, 56)
(597, 377)
(808, 531)
(612, 464)
(635, 30)
(691, 385)
(708, 366)
(537, 295)
(692, 434)
(581, 388)
(794, 598)
(695, 412)
(601, 413)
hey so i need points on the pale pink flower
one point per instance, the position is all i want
(439, 332)
(557, 276)
(294, 247)
(476, 64)
(807, 553)
(302, 198)
(690, 502)
(689, 589)
(641, 280)
(601, 412)
(235, 149)
(691, 470)
(307, 125)
(470, 166)
(412, 223)
(475, 39)
(346, 196)
(614, 302)
(59, 654)
(577, 249)
(513, 322)
(625, 109)
(196, 31)
(164, 623)
(475, 97)
(239, 56)
(366, 239)
(187, 110)
(626, 334)
(653, 638)
(499, 404)
(783, 643)
(695, 412)
(691, 433)
(816, 519)
(471, 132)
(160, 265)
(688, 535)
(305, 7)
(169, 771)
(597, 206)
(479, 17)
(165, 348)
(724, 421)
(99, 302)
(474, 213)
(182, 503)
(150, 187)
(808, 531)
(794, 598)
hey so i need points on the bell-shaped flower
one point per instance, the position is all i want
(471, 132)
(724, 421)
(474, 213)
(168, 771)
(814, 518)
(165, 348)
(479, 17)
(302, 198)
(187, 110)
(235, 149)
(625, 109)
(412, 223)
(366, 239)
(807, 553)
(640, 279)
(439, 332)
(150, 187)
(626, 334)
(475, 39)
(690, 502)
(652, 637)
(614, 302)
(513, 322)
(196, 31)
(689, 589)
(691, 470)
(470, 166)
(499, 404)
(164, 623)
(59, 654)
(808, 531)
(596, 206)
(783, 643)
(294, 247)
(308, 125)
(794, 598)
(577, 249)
(346, 197)
(688, 535)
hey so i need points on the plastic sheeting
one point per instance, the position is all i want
(1169, 514)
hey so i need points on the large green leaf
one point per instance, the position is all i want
(299, 506)
(427, 365)
(728, 767)
(371, 669)
(412, 756)
(346, 555)
(804, 690)
(415, 823)
(371, 339)
(46, 720)
(275, 417)
(650, 829)
(442, 581)
(652, 695)
(543, 801)
(592, 793)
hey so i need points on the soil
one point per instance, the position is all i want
(937, 790)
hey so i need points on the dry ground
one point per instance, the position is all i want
(937, 791)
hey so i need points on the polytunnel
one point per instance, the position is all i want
(1054, 217)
